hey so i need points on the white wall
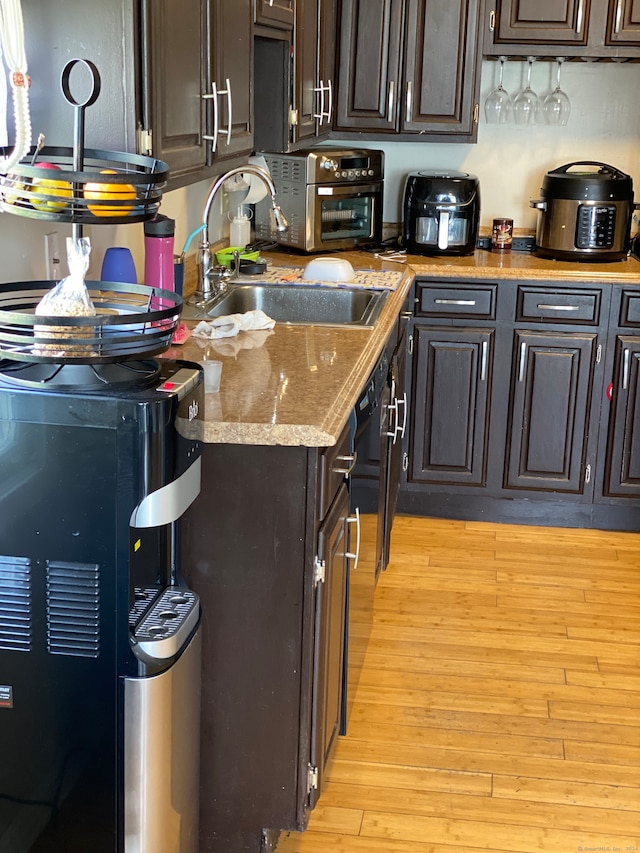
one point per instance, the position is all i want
(510, 161)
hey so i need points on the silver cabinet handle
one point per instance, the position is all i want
(320, 90)
(618, 17)
(351, 555)
(523, 357)
(626, 368)
(545, 307)
(351, 460)
(227, 92)
(329, 112)
(213, 138)
(409, 100)
(579, 17)
(492, 20)
(391, 100)
(392, 408)
(483, 361)
(455, 301)
(399, 429)
(403, 428)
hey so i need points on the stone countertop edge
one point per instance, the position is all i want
(271, 395)
(524, 265)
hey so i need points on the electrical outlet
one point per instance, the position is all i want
(52, 256)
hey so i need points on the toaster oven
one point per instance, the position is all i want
(332, 198)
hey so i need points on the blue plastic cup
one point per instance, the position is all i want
(118, 265)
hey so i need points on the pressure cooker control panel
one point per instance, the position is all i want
(595, 226)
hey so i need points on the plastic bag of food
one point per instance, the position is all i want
(69, 298)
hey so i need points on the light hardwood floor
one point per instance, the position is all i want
(499, 703)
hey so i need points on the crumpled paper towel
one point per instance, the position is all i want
(229, 325)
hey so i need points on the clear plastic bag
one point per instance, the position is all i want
(69, 298)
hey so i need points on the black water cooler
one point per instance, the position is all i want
(99, 637)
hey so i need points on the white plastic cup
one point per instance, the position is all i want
(212, 374)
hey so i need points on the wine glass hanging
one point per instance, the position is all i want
(526, 108)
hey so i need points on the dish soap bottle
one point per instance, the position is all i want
(240, 230)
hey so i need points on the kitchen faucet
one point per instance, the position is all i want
(206, 268)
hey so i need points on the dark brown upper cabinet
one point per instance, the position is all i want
(408, 67)
(231, 70)
(274, 13)
(573, 28)
(195, 109)
(313, 69)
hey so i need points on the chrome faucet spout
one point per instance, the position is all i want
(278, 220)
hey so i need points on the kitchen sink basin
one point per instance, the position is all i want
(287, 303)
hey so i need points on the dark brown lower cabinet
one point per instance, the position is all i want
(449, 411)
(549, 418)
(265, 547)
(397, 421)
(510, 416)
(332, 571)
(623, 457)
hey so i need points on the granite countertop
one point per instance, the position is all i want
(296, 385)
(523, 265)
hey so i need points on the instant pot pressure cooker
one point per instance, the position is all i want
(584, 214)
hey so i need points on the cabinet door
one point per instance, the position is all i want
(175, 52)
(397, 423)
(327, 61)
(623, 26)
(329, 639)
(368, 72)
(450, 417)
(441, 50)
(232, 73)
(622, 474)
(275, 13)
(552, 378)
(545, 22)
(306, 97)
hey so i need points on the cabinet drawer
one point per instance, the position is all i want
(456, 300)
(630, 308)
(335, 464)
(546, 305)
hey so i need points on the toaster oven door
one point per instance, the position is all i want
(344, 217)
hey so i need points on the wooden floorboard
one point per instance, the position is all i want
(499, 704)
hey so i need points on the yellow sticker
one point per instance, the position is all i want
(137, 545)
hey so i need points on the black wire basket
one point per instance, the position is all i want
(84, 186)
(111, 188)
(132, 321)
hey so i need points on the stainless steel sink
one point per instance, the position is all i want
(287, 303)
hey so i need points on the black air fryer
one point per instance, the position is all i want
(441, 213)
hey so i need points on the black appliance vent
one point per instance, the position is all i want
(73, 609)
(15, 604)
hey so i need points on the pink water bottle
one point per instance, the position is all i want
(158, 256)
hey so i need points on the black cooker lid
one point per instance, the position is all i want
(604, 184)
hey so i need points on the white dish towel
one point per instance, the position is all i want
(229, 325)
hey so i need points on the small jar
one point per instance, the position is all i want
(502, 235)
